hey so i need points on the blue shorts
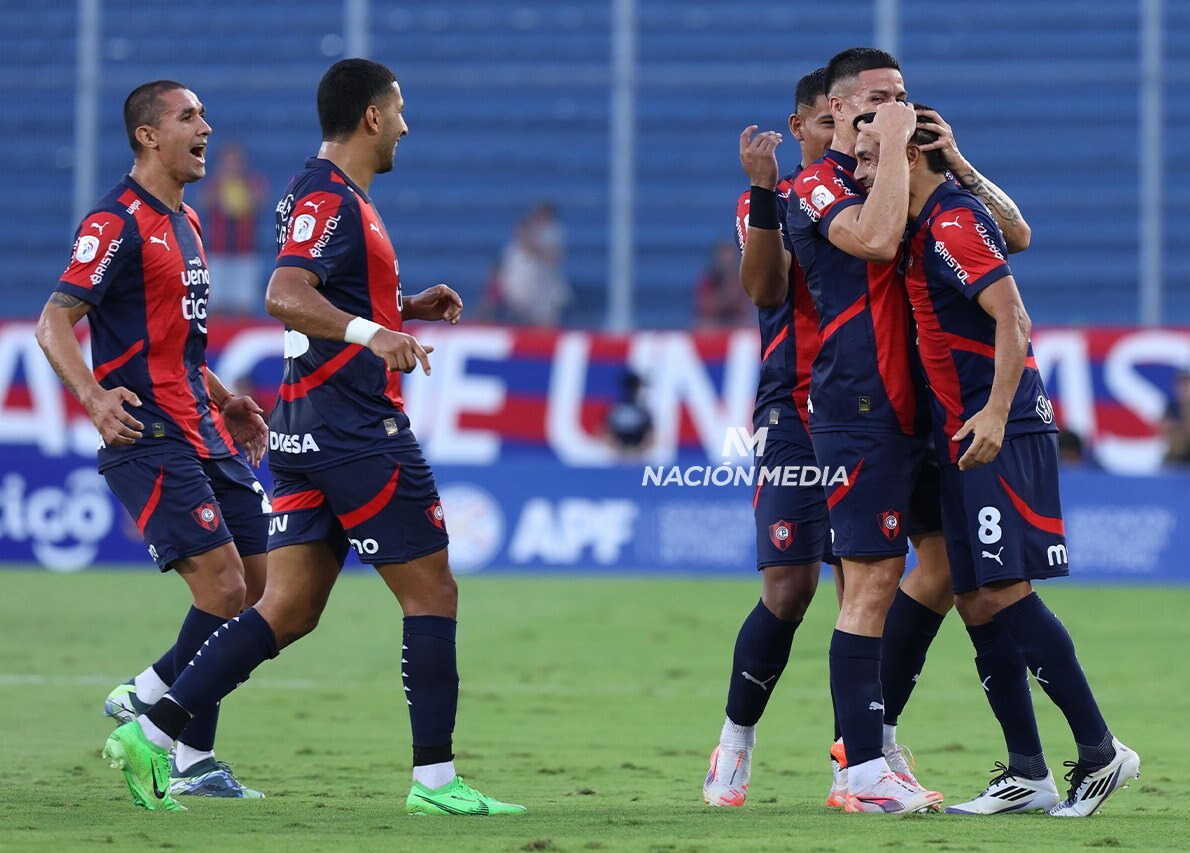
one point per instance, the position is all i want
(185, 506)
(385, 506)
(871, 513)
(792, 527)
(1003, 521)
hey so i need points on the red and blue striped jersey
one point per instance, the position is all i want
(142, 268)
(865, 377)
(956, 249)
(337, 400)
(788, 337)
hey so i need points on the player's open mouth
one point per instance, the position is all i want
(199, 152)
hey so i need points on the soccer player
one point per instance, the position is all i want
(792, 530)
(995, 432)
(349, 472)
(169, 427)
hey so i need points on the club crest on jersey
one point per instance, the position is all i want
(303, 228)
(206, 515)
(890, 523)
(781, 534)
(436, 516)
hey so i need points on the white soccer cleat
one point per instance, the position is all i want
(1089, 790)
(1009, 794)
(889, 794)
(727, 779)
(837, 798)
(901, 762)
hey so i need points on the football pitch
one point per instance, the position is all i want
(594, 701)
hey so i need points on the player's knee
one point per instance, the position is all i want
(788, 591)
(972, 608)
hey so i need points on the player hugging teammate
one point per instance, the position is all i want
(983, 513)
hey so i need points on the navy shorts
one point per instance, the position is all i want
(925, 504)
(185, 506)
(792, 526)
(385, 506)
(871, 512)
(1003, 521)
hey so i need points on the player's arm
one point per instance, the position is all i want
(55, 335)
(873, 231)
(1002, 301)
(1017, 233)
(764, 267)
(293, 298)
(243, 416)
(435, 303)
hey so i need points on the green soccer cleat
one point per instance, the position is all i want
(455, 798)
(123, 704)
(145, 766)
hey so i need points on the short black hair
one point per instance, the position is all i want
(143, 106)
(855, 60)
(810, 87)
(346, 91)
(934, 159)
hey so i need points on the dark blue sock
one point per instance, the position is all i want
(430, 677)
(223, 662)
(909, 629)
(855, 680)
(197, 627)
(1006, 684)
(835, 713)
(761, 651)
(1048, 650)
(164, 667)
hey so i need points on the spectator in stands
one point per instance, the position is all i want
(1176, 424)
(722, 302)
(1072, 453)
(629, 424)
(233, 198)
(531, 287)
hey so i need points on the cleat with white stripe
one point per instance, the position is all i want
(1090, 788)
(1011, 794)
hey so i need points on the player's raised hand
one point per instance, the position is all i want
(894, 121)
(758, 156)
(245, 421)
(115, 424)
(401, 351)
(987, 427)
(931, 120)
(439, 302)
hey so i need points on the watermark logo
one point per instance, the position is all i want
(742, 453)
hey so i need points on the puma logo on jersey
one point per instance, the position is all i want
(955, 223)
(375, 228)
(99, 226)
(314, 205)
(163, 240)
(810, 178)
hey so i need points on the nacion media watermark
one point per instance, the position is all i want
(739, 442)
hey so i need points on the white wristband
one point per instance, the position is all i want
(361, 331)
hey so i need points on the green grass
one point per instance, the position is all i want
(593, 701)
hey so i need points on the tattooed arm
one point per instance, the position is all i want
(55, 334)
(1017, 233)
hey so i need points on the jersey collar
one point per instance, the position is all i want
(150, 199)
(943, 189)
(845, 160)
(323, 163)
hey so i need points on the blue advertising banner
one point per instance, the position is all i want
(534, 514)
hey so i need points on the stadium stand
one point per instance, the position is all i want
(509, 104)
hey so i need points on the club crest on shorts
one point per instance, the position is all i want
(206, 515)
(436, 516)
(781, 533)
(890, 523)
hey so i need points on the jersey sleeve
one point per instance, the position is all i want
(820, 192)
(742, 206)
(323, 231)
(968, 250)
(104, 248)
